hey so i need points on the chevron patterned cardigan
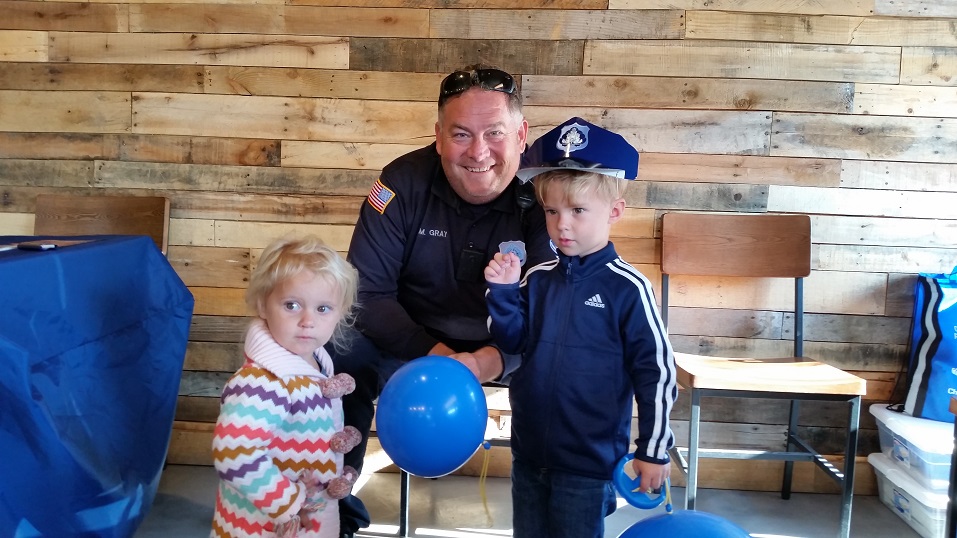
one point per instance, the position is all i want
(271, 444)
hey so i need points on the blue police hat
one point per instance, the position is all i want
(582, 145)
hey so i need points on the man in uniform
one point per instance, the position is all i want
(431, 223)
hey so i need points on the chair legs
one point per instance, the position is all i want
(793, 415)
(850, 457)
(691, 490)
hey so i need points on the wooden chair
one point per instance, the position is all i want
(60, 214)
(754, 247)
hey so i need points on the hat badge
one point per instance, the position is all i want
(573, 138)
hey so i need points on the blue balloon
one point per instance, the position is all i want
(431, 416)
(685, 524)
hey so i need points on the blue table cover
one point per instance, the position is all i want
(92, 342)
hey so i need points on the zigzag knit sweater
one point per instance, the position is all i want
(272, 441)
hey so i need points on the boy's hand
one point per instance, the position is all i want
(503, 269)
(652, 475)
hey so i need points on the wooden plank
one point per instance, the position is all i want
(667, 131)
(936, 66)
(725, 322)
(849, 230)
(249, 179)
(351, 155)
(77, 112)
(899, 176)
(803, 7)
(900, 295)
(192, 232)
(24, 46)
(823, 29)
(211, 267)
(698, 196)
(446, 55)
(45, 173)
(68, 16)
(556, 25)
(305, 208)
(16, 223)
(459, 4)
(825, 291)
(876, 329)
(637, 250)
(53, 146)
(700, 168)
(191, 443)
(201, 49)
(862, 202)
(351, 84)
(260, 234)
(688, 93)
(886, 259)
(105, 77)
(213, 356)
(863, 137)
(219, 301)
(638, 223)
(268, 19)
(896, 100)
(915, 8)
(743, 59)
(217, 328)
(197, 409)
(284, 118)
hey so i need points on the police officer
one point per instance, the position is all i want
(430, 225)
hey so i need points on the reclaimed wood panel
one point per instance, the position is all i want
(24, 46)
(458, 4)
(915, 8)
(219, 301)
(246, 179)
(704, 168)
(845, 230)
(201, 49)
(935, 66)
(899, 176)
(70, 16)
(73, 112)
(886, 203)
(822, 29)
(284, 117)
(269, 19)
(211, 267)
(556, 25)
(351, 155)
(688, 93)
(863, 137)
(885, 259)
(335, 83)
(59, 76)
(803, 7)
(447, 55)
(260, 234)
(891, 100)
(45, 173)
(744, 59)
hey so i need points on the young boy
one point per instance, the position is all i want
(279, 441)
(591, 340)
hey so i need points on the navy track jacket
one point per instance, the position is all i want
(591, 339)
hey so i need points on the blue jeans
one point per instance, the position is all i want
(555, 504)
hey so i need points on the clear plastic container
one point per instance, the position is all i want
(924, 510)
(922, 448)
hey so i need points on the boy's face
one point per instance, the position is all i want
(579, 227)
(302, 312)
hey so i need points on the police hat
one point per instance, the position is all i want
(582, 145)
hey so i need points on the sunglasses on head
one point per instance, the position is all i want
(488, 79)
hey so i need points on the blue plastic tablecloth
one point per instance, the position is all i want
(92, 342)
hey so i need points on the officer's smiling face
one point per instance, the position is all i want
(481, 143)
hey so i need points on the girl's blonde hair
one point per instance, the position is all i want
(577, 183)
(289, 256)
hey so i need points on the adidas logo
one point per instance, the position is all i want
(595, 301)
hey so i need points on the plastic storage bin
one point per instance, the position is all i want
(921, 447)
(924, 510)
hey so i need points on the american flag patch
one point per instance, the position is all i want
(380, 196)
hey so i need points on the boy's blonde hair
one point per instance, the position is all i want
(289, 256)
(577, 183)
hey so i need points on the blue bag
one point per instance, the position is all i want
(932, 364)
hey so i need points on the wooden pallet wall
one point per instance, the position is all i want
(262, 119)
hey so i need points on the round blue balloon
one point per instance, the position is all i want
(431, 416)
(685, 524)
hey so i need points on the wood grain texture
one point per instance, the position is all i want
(556, 25)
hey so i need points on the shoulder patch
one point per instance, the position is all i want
(380, 196)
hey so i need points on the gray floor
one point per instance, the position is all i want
(452, 507)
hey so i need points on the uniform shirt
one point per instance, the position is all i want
(421, 250)
(592, 341)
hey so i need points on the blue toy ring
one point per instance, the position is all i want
(628, 487)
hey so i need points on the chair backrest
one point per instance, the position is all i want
(738, 245)
(70, 215)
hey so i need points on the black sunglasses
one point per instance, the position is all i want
(489, 79)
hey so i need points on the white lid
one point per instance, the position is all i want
(925, 434)
(902, 480)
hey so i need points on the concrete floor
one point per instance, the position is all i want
(452, 507)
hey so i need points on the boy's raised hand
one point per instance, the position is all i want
(503, 269)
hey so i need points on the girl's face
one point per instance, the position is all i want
(302, 312)
(579, 227)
